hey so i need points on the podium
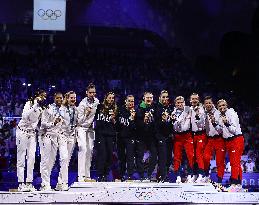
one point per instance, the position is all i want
(131, 192)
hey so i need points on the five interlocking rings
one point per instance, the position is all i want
(49, 14)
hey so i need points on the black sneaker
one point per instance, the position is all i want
(101, 179)
(145, 179)
(129, 179)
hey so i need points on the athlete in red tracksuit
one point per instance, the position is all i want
(182, 137)
(215, 140)
(229, 124)
(199, 135)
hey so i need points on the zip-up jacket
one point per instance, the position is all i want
(211, 131)
(198, 121)
(126, 126)
(104, 124)
(232, 128)
(145, 130)
(85, 119)
(182, 122)
(30, 117)
(69, 118)
(49, 116)
(163, 128)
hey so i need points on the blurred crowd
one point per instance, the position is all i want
(24, 69)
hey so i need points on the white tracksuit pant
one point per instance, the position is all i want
(66, 144)
(26, 147)
(48, 150)
(85, 142)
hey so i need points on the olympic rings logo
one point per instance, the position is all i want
(49, 14)
(143, 195)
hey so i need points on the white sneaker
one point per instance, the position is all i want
(178, 180)
(81, 179)
(30, 187)
(89, 179)
(46, 188)
(200, 179)
(235, 188)
(64, 187)
(189, 179)
(58, 187)
(23, 188)
(206, 179)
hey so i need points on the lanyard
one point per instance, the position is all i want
(57, 109)
(71, 115)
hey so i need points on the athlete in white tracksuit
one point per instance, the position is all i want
(26, 139)
(51, 126)
(67, 138)
(86, 135)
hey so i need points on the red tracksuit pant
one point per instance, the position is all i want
(235, 148)
(199, 143)
(183, 141)
(216, 144)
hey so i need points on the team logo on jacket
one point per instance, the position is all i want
(124, 121)
(102, 117)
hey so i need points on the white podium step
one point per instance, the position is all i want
(131, 192)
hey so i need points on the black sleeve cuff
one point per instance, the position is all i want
(227, 124)
(197, 117)
(173, 120)
(214, 124)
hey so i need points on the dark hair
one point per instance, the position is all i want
(163, 91)
(90, 86)
(129, 96)
(37, 93)
(208, 98)
(57, 93)
(107, 107)
(194, 94)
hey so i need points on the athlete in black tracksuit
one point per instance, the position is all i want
(145, 132)
(105, 130)
(160, 148)
(126, 138)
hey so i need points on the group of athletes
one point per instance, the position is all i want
(162, 128)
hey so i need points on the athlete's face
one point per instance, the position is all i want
(148, 98)
(208, 104)
(42, 96)
(194, 100)
(72, 99)
(110, 99)
(130, 102)
(164, 98)
(58, 99)
(222, 106)
(179, 104)
(91, 93)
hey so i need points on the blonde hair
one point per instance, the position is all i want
(179, 98)
(222, 100)
(65, 101)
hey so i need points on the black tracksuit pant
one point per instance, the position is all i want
(169, 151)
(126, 147)
(157, 148)
(104, 145)
(140, 148)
